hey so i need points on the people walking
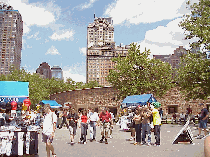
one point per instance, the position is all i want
(105, 119)
(48, 132)
(93, 118)
(156, 122)
(73, 118)
(203, 121)
(84, 127)
(137, 119)
(64, 120)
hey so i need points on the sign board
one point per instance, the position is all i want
(13, 91)
(184, 135)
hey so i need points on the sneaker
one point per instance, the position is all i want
(101, 141)
(110, 136)
(148, 144)
(131, 139)
(156, 145)
(198, 137)
(53, 155)
(84, 142)
(143, 143)
(106, 142)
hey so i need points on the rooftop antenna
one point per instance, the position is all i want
(94, 14)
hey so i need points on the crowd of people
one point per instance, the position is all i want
(145, 119)
(72, 121)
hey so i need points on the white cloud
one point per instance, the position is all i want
(63, 35)
(145, 11)
(77, 72)
(74, 77)
(35, 36)
(35, 13)
(52, 51)
(29, 47)
(86, 5)
(82, 50)
(164, 40)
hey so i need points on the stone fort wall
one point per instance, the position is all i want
(97, 97)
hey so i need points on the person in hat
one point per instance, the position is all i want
(48, 132)
(203, 121)
(156, 122)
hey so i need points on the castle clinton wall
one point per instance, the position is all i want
(172, 101)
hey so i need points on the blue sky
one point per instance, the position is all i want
(56, 31)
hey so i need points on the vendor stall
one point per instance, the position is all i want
(16, 138)
(136, 100)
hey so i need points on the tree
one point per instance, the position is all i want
(40, 88)
(137, 74)
(194, 70)
(193, 76)
(197, 24)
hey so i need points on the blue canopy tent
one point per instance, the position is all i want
(135, 100)
(53, 103)
(13, 91)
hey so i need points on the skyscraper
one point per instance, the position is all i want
(11, 31)
(57, 72)
(101, 49)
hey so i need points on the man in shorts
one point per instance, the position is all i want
(105, 118)
(203, 121)
(48, 132)
(73, 118)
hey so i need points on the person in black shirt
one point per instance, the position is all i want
(73, 118)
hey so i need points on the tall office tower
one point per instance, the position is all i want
(57, 72)
(11, 31)
(100, 50)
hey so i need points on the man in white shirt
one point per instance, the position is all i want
(48, 132)
(93, 118)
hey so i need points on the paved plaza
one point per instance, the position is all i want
(119, 145)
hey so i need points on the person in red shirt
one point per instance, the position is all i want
(84, 127)
(105, 118)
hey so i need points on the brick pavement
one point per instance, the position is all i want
(120, 147)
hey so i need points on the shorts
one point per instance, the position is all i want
(203, 124)
(105, 127)
(72, 130)
(47, 138)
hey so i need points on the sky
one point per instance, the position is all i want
(55, 31)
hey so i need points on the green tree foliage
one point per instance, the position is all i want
(137, 74)
(40, 88)
(194, 76)
(197, 24)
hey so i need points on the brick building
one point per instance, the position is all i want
(44, 70)
(101, 49)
